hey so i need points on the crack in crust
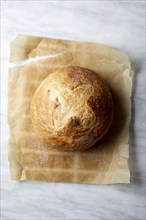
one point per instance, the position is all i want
(74, 122)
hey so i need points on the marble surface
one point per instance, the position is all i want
(119, 24)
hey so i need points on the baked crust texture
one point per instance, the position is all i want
(72, 109)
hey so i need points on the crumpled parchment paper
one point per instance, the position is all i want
(30, 159)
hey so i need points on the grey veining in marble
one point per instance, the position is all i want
(119, 24)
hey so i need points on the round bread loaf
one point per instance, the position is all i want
(72, 109)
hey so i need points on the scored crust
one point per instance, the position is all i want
(72, 108)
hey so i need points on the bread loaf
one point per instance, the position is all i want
(72, 109)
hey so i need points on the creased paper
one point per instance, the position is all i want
(30, 159)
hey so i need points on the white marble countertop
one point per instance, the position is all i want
(119, 24)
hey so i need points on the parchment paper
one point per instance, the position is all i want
(107, 161)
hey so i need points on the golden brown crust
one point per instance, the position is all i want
(72, 109)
